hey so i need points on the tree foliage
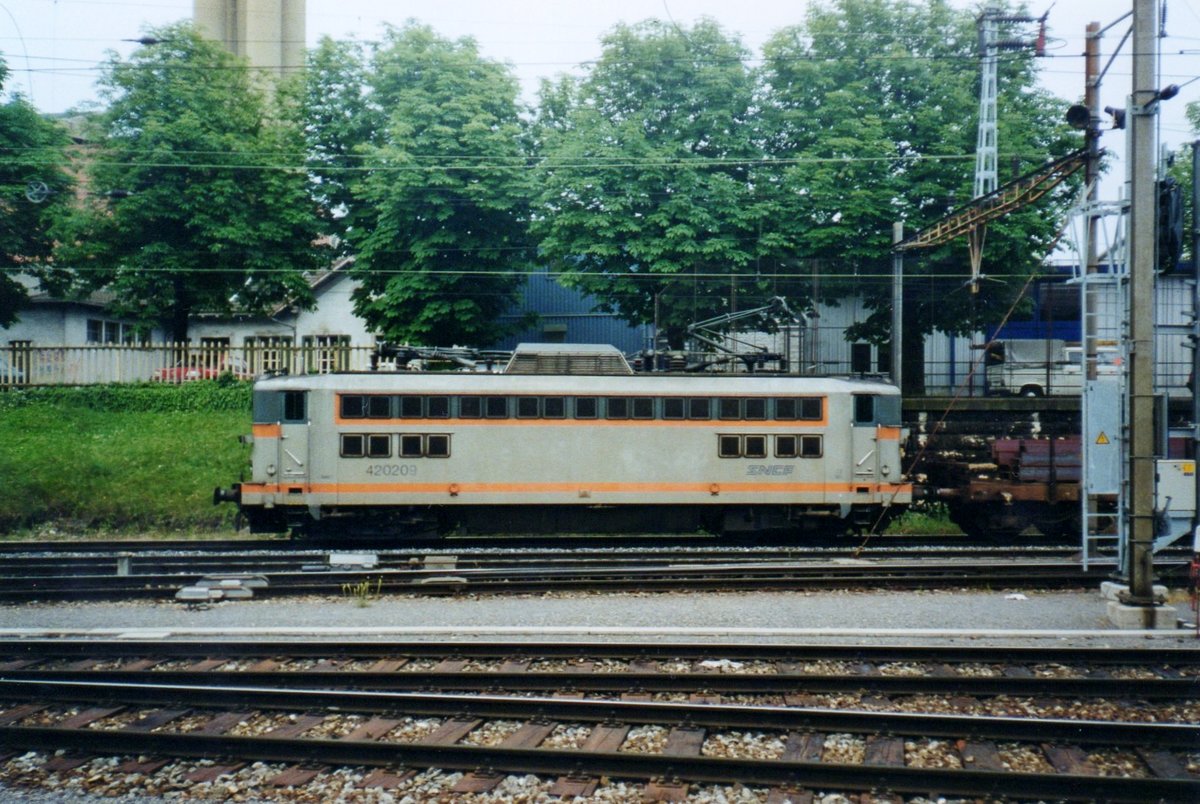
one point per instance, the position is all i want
(877, 101)
(34, 186)
(329, 101)
(647, 199)
(438, 220)
(193, 202)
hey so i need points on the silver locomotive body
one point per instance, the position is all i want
(513, 452)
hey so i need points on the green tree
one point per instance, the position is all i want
(330, 102)
(438, 221)
(34, 187)
(195, 199)
(647, 199)
(874, 104)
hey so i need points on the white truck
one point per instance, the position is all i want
(1049, 367)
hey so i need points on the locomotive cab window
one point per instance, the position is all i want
(295, 406)
(864, 409)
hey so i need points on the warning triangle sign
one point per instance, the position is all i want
(1102, 438)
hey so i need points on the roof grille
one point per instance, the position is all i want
(558, 358)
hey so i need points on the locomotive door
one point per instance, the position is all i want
(863, 442)
(293, 440)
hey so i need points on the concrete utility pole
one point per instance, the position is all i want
(1143, 115)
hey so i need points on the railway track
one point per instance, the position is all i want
(780, 737)
(123, 577)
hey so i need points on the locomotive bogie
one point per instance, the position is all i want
(600, 452)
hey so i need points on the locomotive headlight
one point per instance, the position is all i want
(885, 469)
(271, 469)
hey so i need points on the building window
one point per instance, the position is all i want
(860, 358)
(326, 353)
(102, 331)
(269, 353)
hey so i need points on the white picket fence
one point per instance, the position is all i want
(170, 362)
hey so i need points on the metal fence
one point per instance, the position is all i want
(29, 365)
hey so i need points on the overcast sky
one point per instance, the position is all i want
(54, 47)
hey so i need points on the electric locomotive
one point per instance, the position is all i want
(589, 447)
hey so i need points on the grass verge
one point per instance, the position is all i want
(67, 463)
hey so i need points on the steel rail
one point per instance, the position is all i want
(1178, 689)
(615, 764)
(1087, 732)
(1116, 655)
(895, 575)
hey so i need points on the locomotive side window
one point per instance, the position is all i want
(295, 406)
(379, 446)
(864, 409)
(643, 407)
(810, 408)
(699, 408)
(586, 407)
(352, 445)
(554, 407)
(470, 407)
(755, 446)
(672, 408)
(528, 407)
(410, 446)
(804, 446)
(729, 446)
(496, 407)
(439, 407)
(379, 407)
(617, 407)
(354, 407)
(755, 408)
(437, 446)
(728, 408)
(412, 407)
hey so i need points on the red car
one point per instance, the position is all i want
(198, 368)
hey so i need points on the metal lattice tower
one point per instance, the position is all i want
(986, 173)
